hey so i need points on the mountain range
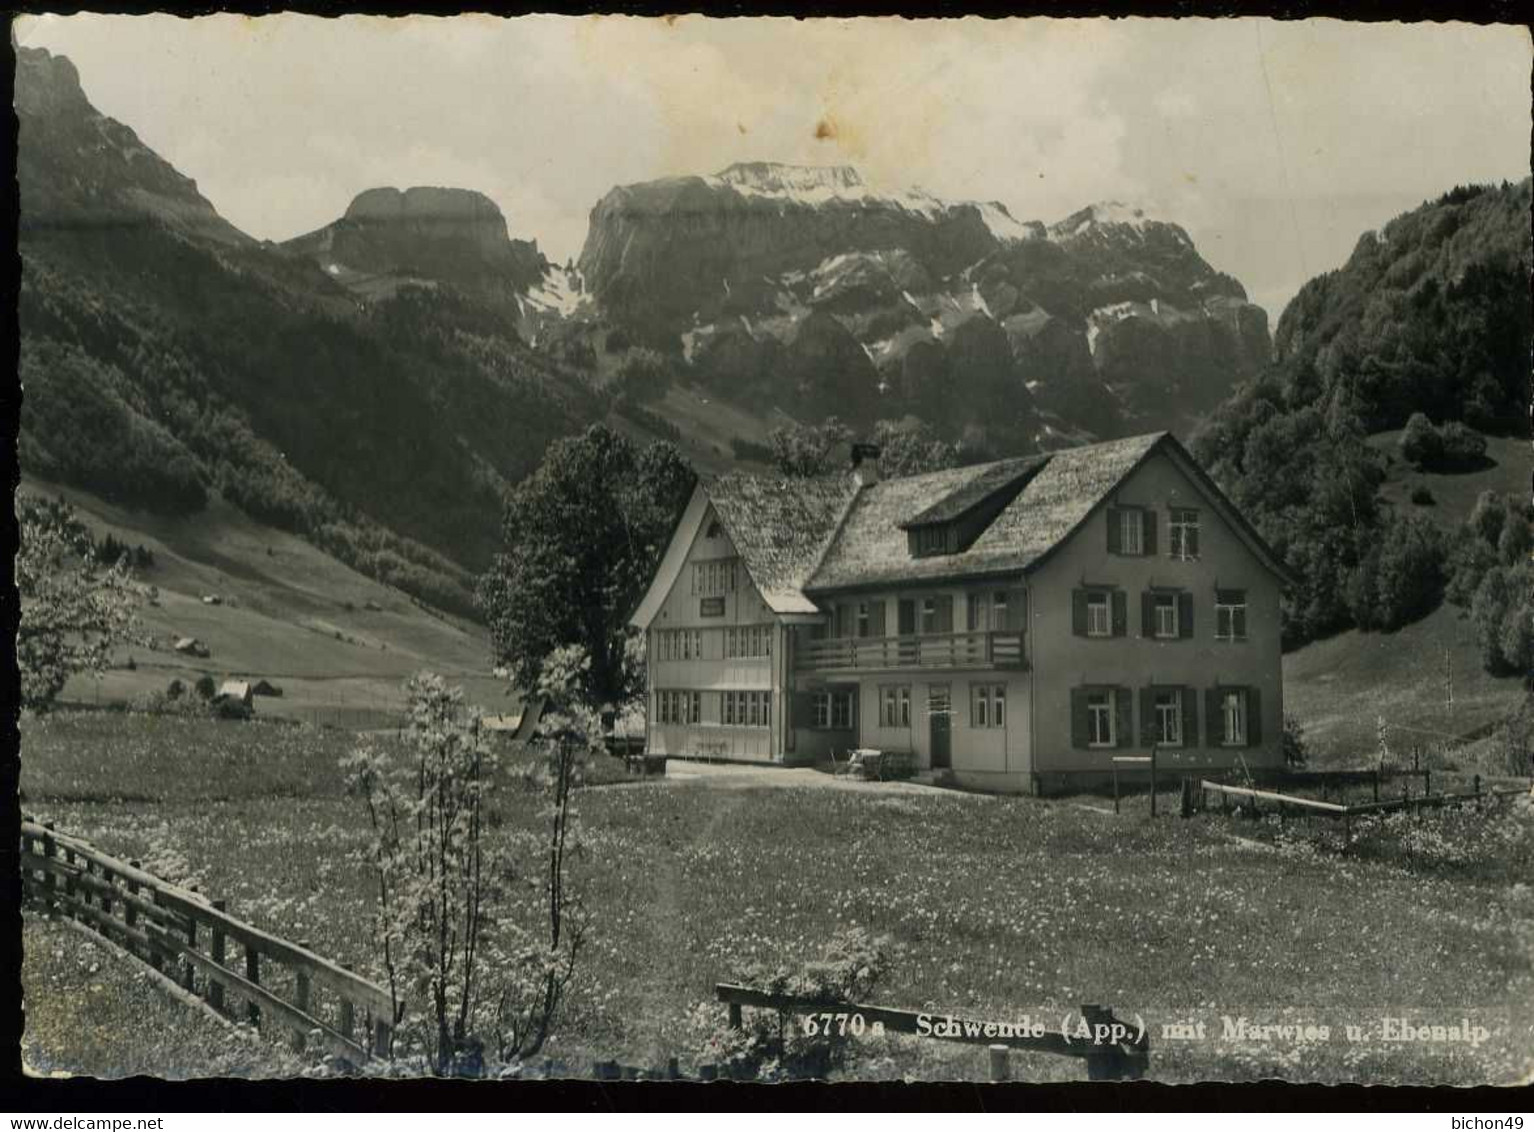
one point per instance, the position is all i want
(377, 385)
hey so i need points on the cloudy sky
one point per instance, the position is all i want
(1275, 144)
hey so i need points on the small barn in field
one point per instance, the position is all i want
(234, 691)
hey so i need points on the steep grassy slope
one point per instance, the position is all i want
(287, 613)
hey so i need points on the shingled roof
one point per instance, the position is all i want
(989, 481)
(800, 538)
(871, 547)
(781, 528)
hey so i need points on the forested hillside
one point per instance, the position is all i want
(164, 356)
(1429, 314)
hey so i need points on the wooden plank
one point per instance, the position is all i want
(115, 930)
(186, 902)
(321, 970)
(85, 881)
(289, 1015)
(898, 1021)
(1270, 796)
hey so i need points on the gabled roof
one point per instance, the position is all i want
(802, 538)
(781, 528)
(872, 549)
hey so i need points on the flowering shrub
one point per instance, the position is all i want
(769, 1044)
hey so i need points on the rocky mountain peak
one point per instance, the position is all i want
(428, 234)
(776, 178)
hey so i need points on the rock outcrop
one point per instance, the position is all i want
(1105, 321)
(424, 235)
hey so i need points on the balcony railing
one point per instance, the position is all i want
(942, 650)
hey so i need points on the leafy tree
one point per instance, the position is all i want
(1420, 442)
(74, 611)
(1488, 612)
(1515, 640)
(1487, 517)
(1410, 577)
(1463, 447)
(809, 450)
(581, 538)
(914, 449)
(1513, 542)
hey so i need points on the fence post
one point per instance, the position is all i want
(1115, 789)
(1187, 797)
(1427, 781)
(50, 882)
(301, 997)
(348, 1014)
(999, 1063)
(253, 973)
(110, 880)
(189, 973)
(1102, 1060)
(1347, 830)
(1478, 791)
(155, 959)
(130, 913)
(215, 987)
(1153, 780)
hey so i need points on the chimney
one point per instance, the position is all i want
(865, 463)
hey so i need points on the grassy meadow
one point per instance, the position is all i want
(995, 907)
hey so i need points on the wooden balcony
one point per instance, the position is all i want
(887, 654)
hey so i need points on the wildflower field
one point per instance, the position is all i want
(994, 908)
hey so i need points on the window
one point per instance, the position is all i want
(1183, 534)
(748, 641)
(1166, 718)
(988, 705)
(1230, 615)
(931, 540)
(1131, 531)
(714, 578)
(714, 529)
(863, 619)
(1165, 623)
(895, 705)
(1233, 728)
(1099, 614)
(678, 644)
(1100, 725)
(833, 711)
(745, 709)
(929, 615)
(987, 611)
(678, 707)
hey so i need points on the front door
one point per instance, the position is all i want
(940, 721)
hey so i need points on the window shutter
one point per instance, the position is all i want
(1190, 542)
(1214, 718)
(1115, 543)
(1124, 710)
(1238, 623)
(1190, 717)
(1079, 726)
(945, 613)
(907, 617)
(1253, 717)
(1147, 716)
(1079, 612)
(1148, 532)
(1185, 615)
(876, 618)
(1147, 614)
(802, 709)
(1120, 613)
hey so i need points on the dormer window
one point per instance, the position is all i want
(929, 540)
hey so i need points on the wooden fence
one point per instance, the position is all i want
(1114, 1050)
(1286, 804)
(197, 944)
